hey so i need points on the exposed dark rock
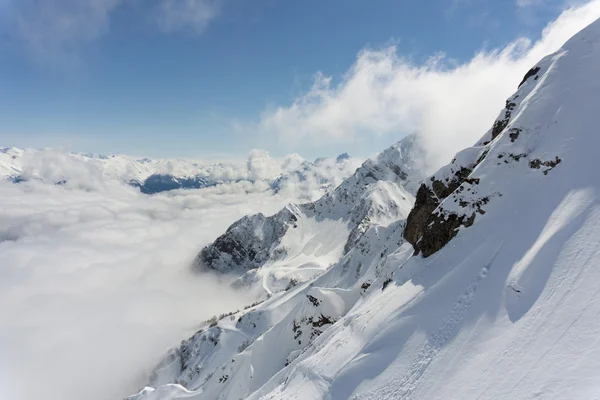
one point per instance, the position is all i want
(291, 284)
(247, 243)
(514, 134)
(502, 123)
(425, 203)
(313, 300)
(443, 190)
(296, 329)
(386, 283)
(517, 157)
(529, 74)
(441, 230)
(428, 230)
(322, 321)
(537, 164)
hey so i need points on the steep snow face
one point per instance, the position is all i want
(503, 302)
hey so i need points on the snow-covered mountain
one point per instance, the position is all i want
(281, 258)
(377, 193)
(154, 176)
(486, 288)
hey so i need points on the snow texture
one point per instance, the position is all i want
(501, 301)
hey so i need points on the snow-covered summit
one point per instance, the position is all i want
(374, 194)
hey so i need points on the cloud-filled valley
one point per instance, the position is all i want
(97, 280)
(92, 278)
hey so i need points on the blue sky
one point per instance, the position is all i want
(168, 78)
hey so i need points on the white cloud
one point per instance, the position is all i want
(188, 14)
(96, 284)
(303, 180)
(528, 3)
(451, 105)
(96, 279)
(55, 30)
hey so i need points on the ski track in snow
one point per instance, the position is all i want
(405, 386)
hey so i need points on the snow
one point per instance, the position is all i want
(507, 309)
(457, 328)
(169, 390)
(305, 270)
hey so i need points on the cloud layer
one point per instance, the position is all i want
(96, 279)
(96, 282)
(292, 174)
(449, 104)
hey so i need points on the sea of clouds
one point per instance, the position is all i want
(96, 280)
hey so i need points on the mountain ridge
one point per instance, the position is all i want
(485, 289)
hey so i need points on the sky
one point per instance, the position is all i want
(192, 78)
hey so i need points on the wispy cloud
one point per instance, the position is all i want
(449, 104)
(55, 30)
(52, 29)
(193, 15)
(528, 3)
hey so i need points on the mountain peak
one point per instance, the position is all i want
(342, 157)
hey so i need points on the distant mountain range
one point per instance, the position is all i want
(155, 176)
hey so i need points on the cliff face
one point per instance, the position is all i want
(451, 198)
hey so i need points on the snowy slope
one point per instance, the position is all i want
(337, 240)
(508, 308)
(493, 295)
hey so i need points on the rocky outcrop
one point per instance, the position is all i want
(429, 228)
(532, 72)
(449, 200)
(248, 243)
(502, 122)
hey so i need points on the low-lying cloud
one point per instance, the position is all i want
(450, 105)
(96, 281)
(291, 175)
